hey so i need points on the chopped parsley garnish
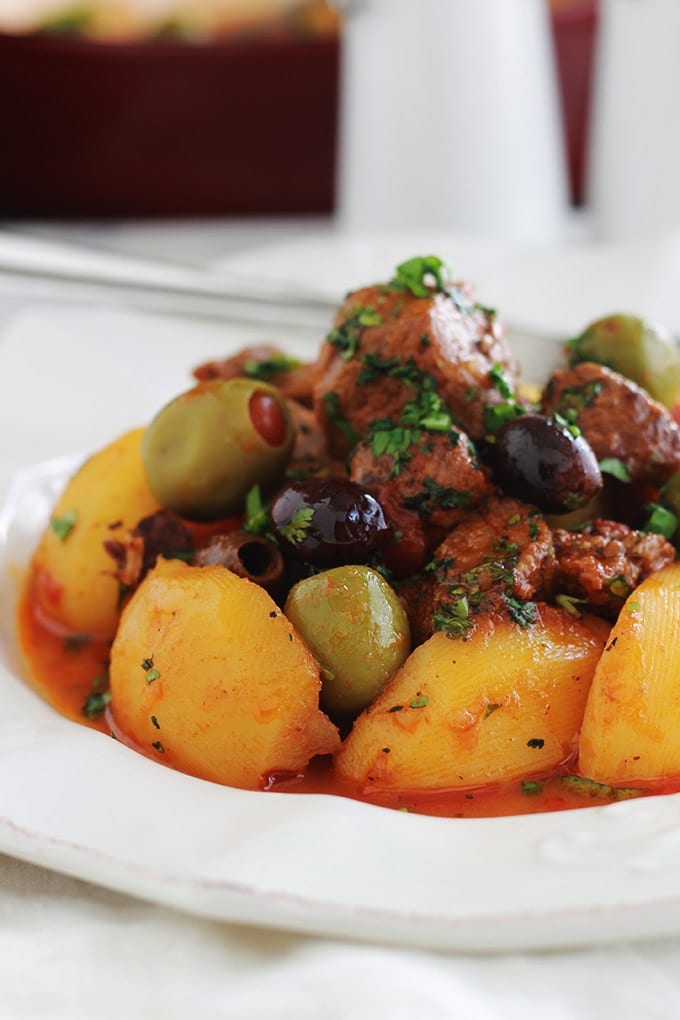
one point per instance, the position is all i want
(151, 672)
(577, 398)
(64, 525)
(536, 742)
(434, 496)
(347, 336)
(523, 613)
(267, 367)
(660, 520)
(157, 746)
(256, 519)
(570, 603)
(500, 382)
(530, 788)
(600, 791)
(96, 703)
(568, 421)
(420, 701)
(420, 275)
(386, 438)
(453, 618)
(616, 468)
(296, 528)
(496, 415)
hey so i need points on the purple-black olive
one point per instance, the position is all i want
(540, 460)
(328, 521)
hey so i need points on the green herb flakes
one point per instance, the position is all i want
(523, 613)
(296, 528)
(420, 701)
(420, 275)
(96, 703)
(63, 526)
(256, 519)
(267, 367)
(599, 791)
(660, 520)
(151, 672)
(616, 468)
(347, 336)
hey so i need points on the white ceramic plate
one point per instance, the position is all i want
(77, 801)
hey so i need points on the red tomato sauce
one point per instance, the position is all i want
(70, 673)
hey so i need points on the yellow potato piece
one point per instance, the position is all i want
(504, 704)
(208, 676)
(71, 573)
(631, 726)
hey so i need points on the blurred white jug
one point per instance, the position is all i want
(633, 180)
(450, 118)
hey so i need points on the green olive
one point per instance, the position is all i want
(640, 350)
(209, 446)
(356, 627)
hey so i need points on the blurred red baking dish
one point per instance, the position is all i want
(166, 128)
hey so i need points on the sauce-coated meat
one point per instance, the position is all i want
(389, 349)
(601, 564)
(618, 418)
(498, 559)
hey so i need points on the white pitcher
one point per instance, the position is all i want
(450, 118)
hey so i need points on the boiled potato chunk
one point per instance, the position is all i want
(632, 717)
(71, 572)
(208, 676)
(504, 704)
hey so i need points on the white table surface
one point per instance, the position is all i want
(71, 950)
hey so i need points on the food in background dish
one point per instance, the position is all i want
(396, 573)
(198, 20)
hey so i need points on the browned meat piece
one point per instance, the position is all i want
(160, 534)
(310, 453)
(601, 565)
(390, 349)
(496, 561)
(619, 420)
(295, 379)
(439, 478)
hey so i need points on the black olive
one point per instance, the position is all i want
(328, 521)
(541, 461)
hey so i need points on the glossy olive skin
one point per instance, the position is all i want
(642, 351)
(328, 521)
(540, 461)
(207, 448)
(356, 627)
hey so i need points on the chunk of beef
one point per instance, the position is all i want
(425, 489)
(618, 418)
(389, 349)
(600, 565)
(495, 562)
(294, 378)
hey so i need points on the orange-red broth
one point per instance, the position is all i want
(68, 671)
